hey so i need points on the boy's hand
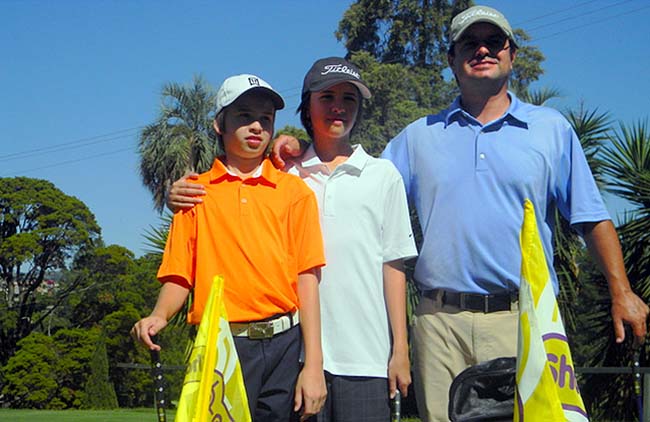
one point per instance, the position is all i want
(284, 148)
(146, 328)
(183, 194)
(399, 374)
(310, 392)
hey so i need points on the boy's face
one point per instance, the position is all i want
(334, 111)
(247, 126)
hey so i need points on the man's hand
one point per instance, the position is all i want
(184, 194)
(628, 308)
(604, 246)
(146, 328)
(284, 148)
(310, 392)
(399, 374)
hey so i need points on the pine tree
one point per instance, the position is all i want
(99, 392)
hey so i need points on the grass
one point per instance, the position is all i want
(122, 415)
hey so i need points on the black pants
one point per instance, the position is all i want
(270, 368)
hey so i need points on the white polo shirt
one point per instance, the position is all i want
(365, 222)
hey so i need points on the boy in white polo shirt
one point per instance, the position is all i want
(367, 235)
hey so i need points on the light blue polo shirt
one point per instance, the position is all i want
(468, 183)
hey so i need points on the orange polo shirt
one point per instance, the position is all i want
(258, 233)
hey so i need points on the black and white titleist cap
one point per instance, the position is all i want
(331, 71)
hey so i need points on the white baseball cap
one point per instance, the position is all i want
(476, 14)
(234, 86)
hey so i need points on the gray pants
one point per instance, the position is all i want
(355, 399)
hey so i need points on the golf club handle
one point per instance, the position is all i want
(396, 415)
(636, 369)
(159, 385)
(637, 379)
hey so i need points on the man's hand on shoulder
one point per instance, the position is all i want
(284, 148)
(184, 194)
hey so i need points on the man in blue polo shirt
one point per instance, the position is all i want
(468, 170)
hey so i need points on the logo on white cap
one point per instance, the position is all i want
(479, 12)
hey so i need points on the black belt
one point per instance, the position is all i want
(473, 301)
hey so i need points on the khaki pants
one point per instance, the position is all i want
(447, 340)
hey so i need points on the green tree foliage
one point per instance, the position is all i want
(106, 284)
(527, 67)
(538, 96)
(132, 386)
(401, 48)
(30, 379)
(592, 128)
(627, 162)
(411, 32)
(400, 96)
(49, 372)
(626, 166)
(98, 391)
(41, 229)
(75, 348)
(180, 140)
(298, 133)
(113, 292)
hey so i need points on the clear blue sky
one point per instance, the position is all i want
(80, 78)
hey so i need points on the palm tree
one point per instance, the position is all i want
(592, 128)
(625, 163)
(180, 140)
(538, 96)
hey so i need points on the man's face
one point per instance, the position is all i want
(248, 126)
(483, 53)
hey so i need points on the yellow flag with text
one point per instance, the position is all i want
(213, 389)
(547, 389)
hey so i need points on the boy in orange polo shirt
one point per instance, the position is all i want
(259, 228)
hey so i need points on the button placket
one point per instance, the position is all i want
(329, 193)
(480, 159)
(244, 199)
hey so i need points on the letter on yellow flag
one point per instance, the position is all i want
(213, 389)
(546, 381)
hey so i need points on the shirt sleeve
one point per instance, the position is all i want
(397, 152)
(179, 258)
(398, 240)
(577, 195)
(306, 232)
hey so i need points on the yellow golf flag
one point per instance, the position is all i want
(547, 389)
(213, 389)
